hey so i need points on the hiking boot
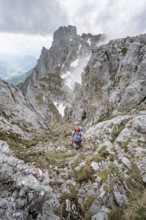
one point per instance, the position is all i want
(77, 147)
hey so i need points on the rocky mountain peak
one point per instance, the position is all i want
(64, 35)
(58, 68)
(106, 177)
(114, 78)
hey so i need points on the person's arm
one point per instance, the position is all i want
(72, 136)
(82, 135)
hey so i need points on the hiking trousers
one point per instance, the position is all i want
(78, 143)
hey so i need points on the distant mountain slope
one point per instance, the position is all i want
(15, 80)
(15, 66)
(106, 177)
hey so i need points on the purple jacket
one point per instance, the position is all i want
(77, 136)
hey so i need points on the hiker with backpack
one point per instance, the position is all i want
(77, 136)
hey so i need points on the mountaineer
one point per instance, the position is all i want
(77, 136)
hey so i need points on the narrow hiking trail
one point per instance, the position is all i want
(99, 175)
(67, 168)
(93, 176)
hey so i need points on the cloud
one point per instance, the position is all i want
(116, 18)
(23, 44)
(112, 17)
(41, 18)
(31, 16)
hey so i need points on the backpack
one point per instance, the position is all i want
(77, 135)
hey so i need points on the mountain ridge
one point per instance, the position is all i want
(66, 48)
(106, 177)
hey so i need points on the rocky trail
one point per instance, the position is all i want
(96, 177)
(106, 178)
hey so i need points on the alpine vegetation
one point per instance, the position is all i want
(73, 134)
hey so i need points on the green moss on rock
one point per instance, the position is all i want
(124, 51)
(116, 131)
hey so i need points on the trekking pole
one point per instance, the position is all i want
(89, 144)
(72, 143)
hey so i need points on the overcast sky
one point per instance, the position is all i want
(28, 25)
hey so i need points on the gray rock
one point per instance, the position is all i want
(22, 191)
(112, 100)
(95, 207)
(144, 178)
(47, 83)
(80, 166)
(95, 166)
(114, 79)
(120, 196)
(15, 109)
(127, 162)
(102, 215)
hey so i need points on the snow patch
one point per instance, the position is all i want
(89, 41)
(88, 58)
(75, 63)
(74, 75)
(43, 97)
(60, 108)
(69, 79)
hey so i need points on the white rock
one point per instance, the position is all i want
(95, 166)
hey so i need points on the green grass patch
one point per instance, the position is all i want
(29, 143)
(15, 141)
(113, 157)
(96, 159)
(124, 145)
(134, 181)
(103, 153)
(104, 174)
(55, 157)
(39, 98)
(72, 195)
(12, 139)
(135, 209)
(4, 115)
(124, 51)
(61, 210)
(105, 118)
(84, 174)
(88, 214)
(107, 188)
(116, 131)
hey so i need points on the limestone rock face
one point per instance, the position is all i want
(114, 80)
(92, 181)
(52, 80)
(22, 196)
(17, 111)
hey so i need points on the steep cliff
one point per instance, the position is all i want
(114, 80)
(16, 112)
(106, 177)
(52, 80)
(22, 195)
